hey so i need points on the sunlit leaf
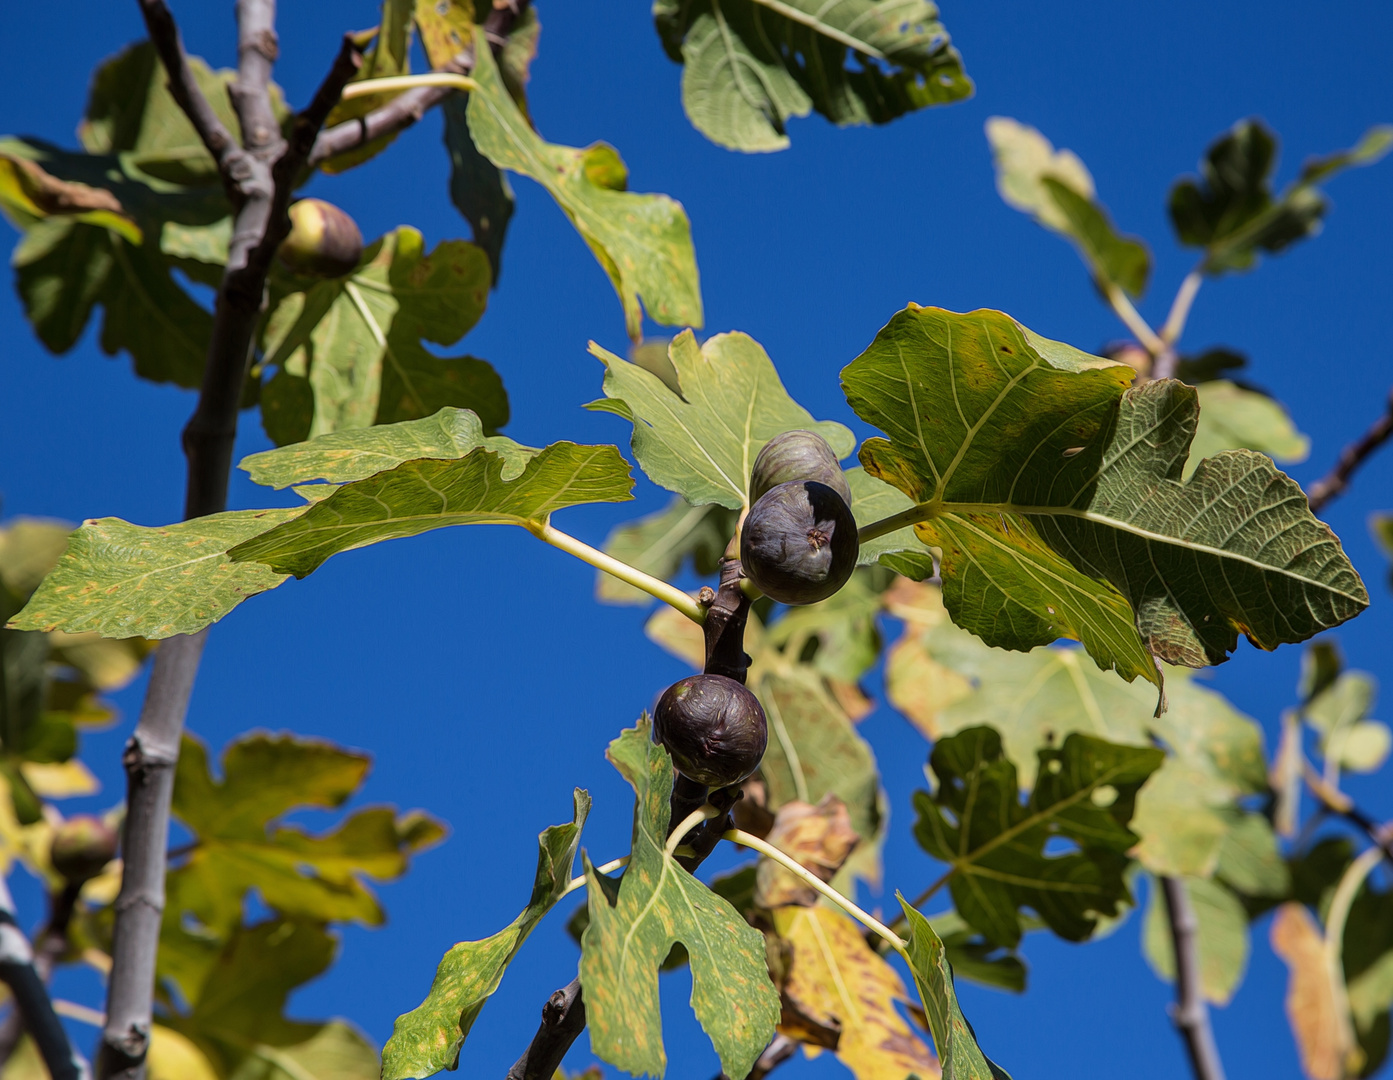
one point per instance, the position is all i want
(995, 846)
(634, 924)
(901, 550)
(839, 983)
(1233, 418)
(390, 54)
(1312, 1007)
(1340, 715)
(702, 442)
(1230, 209)
(428, 1039)
(748, 67)
(1222, 937)
(1056, 189)
(643, 241)
(958, 1053)
(1057, 500)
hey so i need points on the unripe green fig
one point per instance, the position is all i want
(798, 544)
(81, 847)
(323, 242)
(797, 455)
(713, 727)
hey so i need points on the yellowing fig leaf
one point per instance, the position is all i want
(1313, 1009)
(635, 922)
(428, 1039)
(1058, 503)
(958, 1053)
(749, 67)
(836, 982)
(644, 242)
(702, 442)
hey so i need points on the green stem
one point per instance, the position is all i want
(1340, 905)
(870, 922)
(669, 594)
(1131, 318)
(608, 868)
(1180, 306)
(408, 82)
(915, 514)
(690, 822)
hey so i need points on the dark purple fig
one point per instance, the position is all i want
(324, 242)
(797, 455)
(713, 727)
(81, 847)
(798, 544)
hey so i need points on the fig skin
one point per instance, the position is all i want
(324, 242)
(81, 848)
(713, 727)
(798, 544)
(797, 455)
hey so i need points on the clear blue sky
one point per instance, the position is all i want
(473, 663)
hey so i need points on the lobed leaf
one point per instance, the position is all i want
(749, 66)
(701, 438)
(643, 241)
(1056, 189)
(428, 1039)
(1058, 502)
(635, 923)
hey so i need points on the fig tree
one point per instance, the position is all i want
(798, 544)
(797, 455)
(323, 242)
(713, 727)
(81, 847)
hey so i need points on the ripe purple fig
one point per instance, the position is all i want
(798, 544)
(797, 455)
(81, 847)
(713, 727)
(324, 242)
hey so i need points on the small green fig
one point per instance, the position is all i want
(713, 727)
(323, 242)
(797, 455)
(81, 847)
(798, 544)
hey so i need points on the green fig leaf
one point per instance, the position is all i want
(748, 67)
(1233, 417)
(633, 929)
(389, 55)
(428, 1039)
(702, 442)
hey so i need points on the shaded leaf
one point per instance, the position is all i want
(901, 550)
(1057, 500)
(643, 241)
(478, 188)
(958, 1053)
(428, 1039)
(1250, 862)
(1056, 189)
(631, 931)
(1233, 417)
(390, 54)
(702, 442)
(662, 543)
(1230, 209)
(836, 981)
(994, 845)
(419, 496)
(1223, 937)
(749, 67)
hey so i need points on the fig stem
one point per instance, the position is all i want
(656, 587)
(608, 868)
(408, 82)
(690, 822)
(870, 922)
(915, 514)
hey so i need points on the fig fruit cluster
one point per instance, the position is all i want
(324, 242)
(713, 727)
(798, 544)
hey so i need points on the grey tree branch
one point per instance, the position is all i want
(407, 108)
(260, 178)
(1190, 1013)
(31, 997)
(1333, 484)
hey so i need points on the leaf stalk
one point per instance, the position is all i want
(656, 587)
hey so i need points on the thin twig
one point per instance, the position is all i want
(260, 178)
(31, 997)
(1174, 325)
(1339, 803)
(1333, 484)
(1190, 1013)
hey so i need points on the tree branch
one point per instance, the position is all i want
(164, 35)
(260, 178)
(31, 997)
(1337, 802)
(1333, 484)
(405, 109)
(1190, 1014)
